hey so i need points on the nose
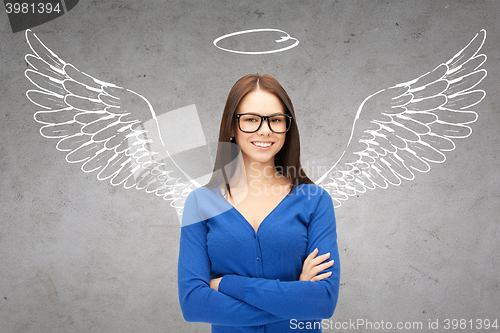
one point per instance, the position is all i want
(264, 128)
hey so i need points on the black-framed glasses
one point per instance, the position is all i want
(251, 122)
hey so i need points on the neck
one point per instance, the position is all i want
(251, 174)
(261, 174)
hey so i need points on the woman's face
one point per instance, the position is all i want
(262, 103)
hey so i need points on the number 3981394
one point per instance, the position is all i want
(32, 8)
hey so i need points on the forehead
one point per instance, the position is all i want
(260, 102)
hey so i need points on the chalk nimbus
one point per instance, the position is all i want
(283, 38)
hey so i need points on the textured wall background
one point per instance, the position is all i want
(79, 255)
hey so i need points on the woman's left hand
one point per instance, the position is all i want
(313, 265)
(214, 283)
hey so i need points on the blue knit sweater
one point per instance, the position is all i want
(259, 290)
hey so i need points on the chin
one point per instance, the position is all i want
(261, 158)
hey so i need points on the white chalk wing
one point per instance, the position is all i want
(108, 129)
(406, 128)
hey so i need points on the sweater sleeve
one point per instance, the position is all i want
(199, 302)
(301, 300)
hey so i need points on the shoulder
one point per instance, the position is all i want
(311, 191)
(313, 198)
(200, 194)
(202, 197)
(202, 204)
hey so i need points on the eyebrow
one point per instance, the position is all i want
(260, 114)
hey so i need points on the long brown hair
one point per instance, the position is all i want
(286, 161)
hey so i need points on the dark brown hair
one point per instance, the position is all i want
(286, 161)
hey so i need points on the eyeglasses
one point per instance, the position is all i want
(251, 122)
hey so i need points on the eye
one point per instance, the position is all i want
(250, 118)
(277, 119)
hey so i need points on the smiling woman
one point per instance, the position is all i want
(254, 137)
(269, 256)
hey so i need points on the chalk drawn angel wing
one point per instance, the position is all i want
(405, 128)
(106, 128)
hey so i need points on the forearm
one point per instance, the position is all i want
(301, 300)
(203, 304)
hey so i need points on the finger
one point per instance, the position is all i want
(319, 259)
(325, 265)
(308, 262)
(321, 267)
(309, 265)
(312, 254)
(321, 276)
(317, 269)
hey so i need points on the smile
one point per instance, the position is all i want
(262, 144)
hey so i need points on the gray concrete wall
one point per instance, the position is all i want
(80, 255)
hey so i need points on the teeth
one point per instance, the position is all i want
(261, 144)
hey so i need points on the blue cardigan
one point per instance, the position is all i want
(259, 290)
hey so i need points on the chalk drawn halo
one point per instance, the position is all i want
(283, 39)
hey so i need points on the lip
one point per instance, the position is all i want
(263, 148)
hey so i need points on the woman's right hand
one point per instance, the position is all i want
(313, 265)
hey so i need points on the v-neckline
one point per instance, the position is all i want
(265, 218)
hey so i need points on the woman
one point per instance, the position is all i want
(263, 256)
